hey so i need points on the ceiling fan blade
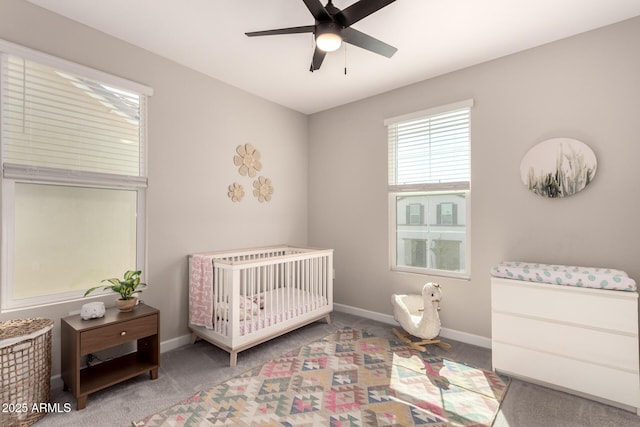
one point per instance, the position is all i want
(360, 10)
(367, 42)
(318, 57)
(317, 10)
(291, 30)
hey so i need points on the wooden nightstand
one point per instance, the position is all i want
(82, 337)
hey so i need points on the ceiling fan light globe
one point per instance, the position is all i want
(328, 42)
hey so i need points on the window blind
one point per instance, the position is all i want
(52, 118)
(430, 150)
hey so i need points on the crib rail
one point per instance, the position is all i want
(270, 288)
(257, 254)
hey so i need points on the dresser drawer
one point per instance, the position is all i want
(118, 333)
(594, 379)
(565, 340)
(594, 308)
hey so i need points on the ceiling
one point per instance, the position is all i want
(433, 37)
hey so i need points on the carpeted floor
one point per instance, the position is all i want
(201, 366)
(349, 378)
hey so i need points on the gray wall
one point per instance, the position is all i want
(586, 87)
(330, 187)
(195, 124)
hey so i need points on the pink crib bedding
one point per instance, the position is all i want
(201, 291)
(279, 305)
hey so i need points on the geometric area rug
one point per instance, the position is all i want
(349, 378)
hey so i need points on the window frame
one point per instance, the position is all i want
(430, 189)
(13, 173)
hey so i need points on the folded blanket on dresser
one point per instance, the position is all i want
(588, 277)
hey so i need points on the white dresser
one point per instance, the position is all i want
(580, 340)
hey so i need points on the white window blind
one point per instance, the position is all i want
(430, 150)
(56, 119)
(73, 152)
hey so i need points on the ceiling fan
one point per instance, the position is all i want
(333, 26)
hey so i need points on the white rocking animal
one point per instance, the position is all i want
(418, 315)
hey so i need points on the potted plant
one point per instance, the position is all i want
(126, 288)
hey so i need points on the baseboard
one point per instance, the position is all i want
(452, 334)
(174, 343)
(373, 315)
(466, 337)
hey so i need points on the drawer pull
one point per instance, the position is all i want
(123, 333)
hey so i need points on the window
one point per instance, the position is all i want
(415, 214)
(429, 190)
(73, 177)
(447, 214)
(415, 252)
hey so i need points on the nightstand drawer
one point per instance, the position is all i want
(116, 334)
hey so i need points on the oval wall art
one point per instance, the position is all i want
(558, 167)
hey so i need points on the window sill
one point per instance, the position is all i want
(430, 272)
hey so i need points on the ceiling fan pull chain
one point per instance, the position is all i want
(345, 59)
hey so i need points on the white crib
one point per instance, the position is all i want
(241, 298)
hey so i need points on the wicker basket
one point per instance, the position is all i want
(25, 370)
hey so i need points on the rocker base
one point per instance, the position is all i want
(419, 345)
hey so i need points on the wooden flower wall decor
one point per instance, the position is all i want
(236, 192)
(248, 162)
(262, 189)
(248, 159)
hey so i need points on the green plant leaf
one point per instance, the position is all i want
(126, 287)
(90, 290)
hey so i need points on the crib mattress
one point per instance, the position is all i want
(588, 277)
(277, 306)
